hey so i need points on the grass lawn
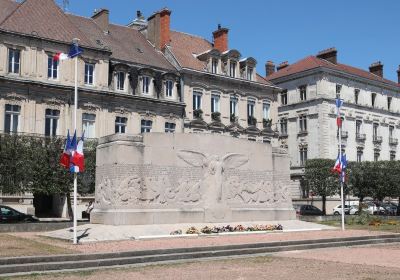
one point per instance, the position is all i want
(12, 246)
(382, 227)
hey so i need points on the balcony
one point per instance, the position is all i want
(302, 133)
(393, 141)
(251, 121)
(360, 137)
(345, 134)
(377, 139)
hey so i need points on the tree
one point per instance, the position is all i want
(31, 164)
(320, 179)
(361, 179)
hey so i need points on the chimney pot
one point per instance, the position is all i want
(269, 68)
(376, 68)
(221, 38)
(329, 55)
(101, 18)
(282, 65)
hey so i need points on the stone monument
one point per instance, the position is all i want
(159, 178)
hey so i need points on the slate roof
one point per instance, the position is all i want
(312, 62)
(45, 19)
(125, 43)
(186, 47)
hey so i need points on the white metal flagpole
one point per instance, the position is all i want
(340, 159)
(75, 125)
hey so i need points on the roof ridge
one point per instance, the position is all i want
(7, 17)
(198, 36)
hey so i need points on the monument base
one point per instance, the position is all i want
(176, 216)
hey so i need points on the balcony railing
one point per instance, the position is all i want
(360, 137)
(393, 141)
(377, 139)
(345, 134)
(302, 132)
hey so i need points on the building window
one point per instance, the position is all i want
(232, 69)
(250, 108)
(52, 68)
(89, 125)
(303, 123)
(356, 94)
(145, 84)
(283, 123)
(196, 100)
(373, 99)
(89, 73)
(120, 124)
(13, 61)
(376, 156)
(358, 127)
(169, 86)
(11, 118)
(389, 102)
(233, 106)
(250, 73)
(359, 155)
(375, 131)
(169, 127)
(392, 155)
(51, 122)
(284, 98)
(391, 130)
(303, 93)
(266, 107)
(214, 66)
(146, 126)
(303, 156)
(120, 81)
(214, 103)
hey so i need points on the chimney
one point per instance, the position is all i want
(139, 22)
(282, 65)
(329, 55)
(398, 75)
(269, 68)
(158, 28)
(100, 17)
(376, 68)
(221, 38)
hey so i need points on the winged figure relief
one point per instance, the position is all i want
(214, 167)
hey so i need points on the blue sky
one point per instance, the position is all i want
(362, 31)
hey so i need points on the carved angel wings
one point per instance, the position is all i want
(197, 159)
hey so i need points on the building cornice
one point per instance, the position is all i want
(103, 93)
(336, 73)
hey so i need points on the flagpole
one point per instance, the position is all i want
(340, 155)
(75, 125)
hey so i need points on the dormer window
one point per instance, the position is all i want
(232, 69)
(373, 99)
(169, 86)
(120, 76)
(145, 84)
(214, 66)
(52, 68)
(250, 73)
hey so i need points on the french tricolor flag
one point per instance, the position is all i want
(65, 157)
(338, 166)
(78, 158)
(74, 51)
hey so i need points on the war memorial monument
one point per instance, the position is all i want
(160, 178)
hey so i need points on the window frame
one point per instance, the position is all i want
(14, 116)
(12, 63)
(89, 121)
(215, 102)
(251, 103)
(302, 123)
(146, 126)
(120, 75)
(284, 97)
(266, 113)
(232, 68)
(284, 126)
(170, 127)
(51, 69)
(214, 65)
(169, 88)
(356, 96)
(303, 92)
(146, 86)
(233, 105)
(121, 124)
(88, 75)
(197, 101)
(52, 119)
(303, 155)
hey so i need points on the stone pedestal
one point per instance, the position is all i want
(159, 178)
